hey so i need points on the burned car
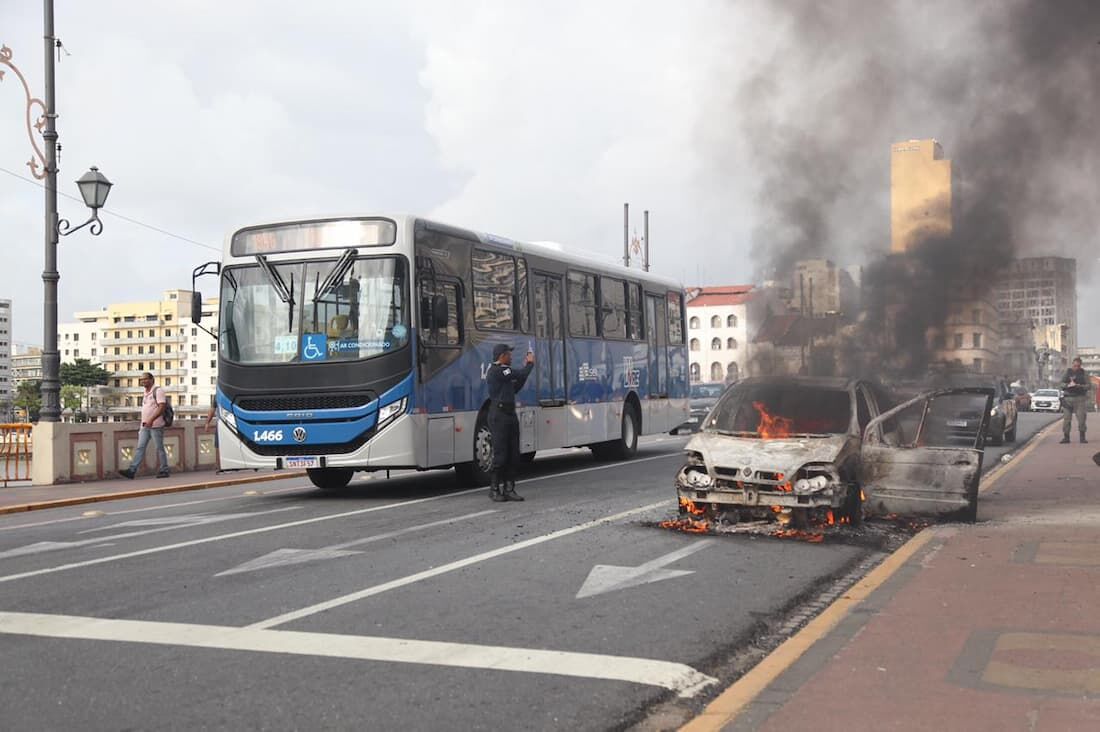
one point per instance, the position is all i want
(800, 449)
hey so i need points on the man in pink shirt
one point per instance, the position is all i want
(152, 427)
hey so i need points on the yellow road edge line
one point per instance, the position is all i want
(733, 700)
(142, 492)
(995, 475)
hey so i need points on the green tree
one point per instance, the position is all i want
(28, 397)
(71, 397)
(83, 372)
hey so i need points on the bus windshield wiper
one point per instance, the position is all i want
(276, 280)
(336, 274)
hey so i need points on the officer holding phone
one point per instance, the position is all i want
(504, 382)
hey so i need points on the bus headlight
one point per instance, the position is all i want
(228, 417)
(390, 412)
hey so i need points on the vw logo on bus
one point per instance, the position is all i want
(299, 434)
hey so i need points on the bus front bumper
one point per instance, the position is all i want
(391, 448)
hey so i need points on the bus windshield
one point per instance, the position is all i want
(329, 315)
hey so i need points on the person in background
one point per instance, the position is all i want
(153, 405)
(1075, 387)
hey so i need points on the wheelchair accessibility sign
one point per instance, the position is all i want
(314, 347)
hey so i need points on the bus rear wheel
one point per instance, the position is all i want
(330, 479)
(627, 445)
(478, 472)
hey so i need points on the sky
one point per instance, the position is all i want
(531, 120)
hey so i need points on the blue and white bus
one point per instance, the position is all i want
(361, 344)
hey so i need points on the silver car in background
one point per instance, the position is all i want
(1046, 400)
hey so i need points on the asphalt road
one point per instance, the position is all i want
(405, 603)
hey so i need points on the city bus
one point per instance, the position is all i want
(361, 344)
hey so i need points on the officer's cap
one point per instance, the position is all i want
(500, 349)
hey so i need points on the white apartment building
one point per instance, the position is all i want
(127, 339)
(6, 388)
(721, 324)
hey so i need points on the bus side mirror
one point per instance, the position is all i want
(196, 307)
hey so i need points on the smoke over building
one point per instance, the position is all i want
(1013, 86)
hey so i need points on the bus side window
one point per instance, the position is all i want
(449, 331)
(675, 318)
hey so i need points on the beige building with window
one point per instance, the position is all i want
(922, 185)
(1043, 292)
(971, 337)
(127, 339)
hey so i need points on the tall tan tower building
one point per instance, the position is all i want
(921, 192)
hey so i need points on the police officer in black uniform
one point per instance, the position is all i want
(504, 382)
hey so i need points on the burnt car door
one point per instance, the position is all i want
(912, 464)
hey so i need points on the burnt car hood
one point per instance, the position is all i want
(784, 456)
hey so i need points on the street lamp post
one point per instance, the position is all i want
(94, 188)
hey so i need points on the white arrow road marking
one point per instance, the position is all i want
(284, 557)
(303, 522)
(678, 677)
(450, 567)
(608, 577)
(49, 546)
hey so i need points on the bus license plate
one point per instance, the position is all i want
(956, 423)
(301, 462)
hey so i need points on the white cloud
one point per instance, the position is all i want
(531, 120)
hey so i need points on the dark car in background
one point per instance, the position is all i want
(703, 397)
(965, 423)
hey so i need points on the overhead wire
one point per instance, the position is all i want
(123, 217)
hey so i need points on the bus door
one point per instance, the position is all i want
(550, 350)
(657, 341)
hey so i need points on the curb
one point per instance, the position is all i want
(1000, 469)
(97, 498)
(731, 702)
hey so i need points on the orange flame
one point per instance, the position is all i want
(689, 505)
(772, 427)
(691, 526)
(829, 518)
(811, 537)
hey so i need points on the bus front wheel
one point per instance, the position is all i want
(478, 472)
(330, 479)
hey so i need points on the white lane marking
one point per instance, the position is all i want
(285, 557)
(683, 679)
(309, 487)
(149, 508)
(277, 527)
(609, 577)
(449, 567)
(177, 522)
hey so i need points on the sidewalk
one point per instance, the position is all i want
(992, 626)
(17, 498)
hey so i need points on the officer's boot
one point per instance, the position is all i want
(496, 493)
(1065, 439)
(1083, 440)
(510, 489)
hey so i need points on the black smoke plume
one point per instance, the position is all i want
(1009, 88)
